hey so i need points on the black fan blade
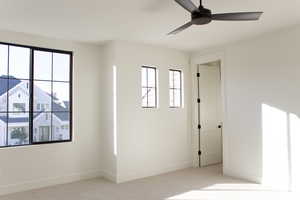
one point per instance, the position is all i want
(187, 4)
(242, 16)
(181, 28)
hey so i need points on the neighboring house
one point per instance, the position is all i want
(17, 121)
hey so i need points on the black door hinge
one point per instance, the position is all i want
(198, 100)
(199, 153)
(199, 126)
(198, 74)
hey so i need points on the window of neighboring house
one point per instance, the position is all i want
(40, 78)
(175, 88)
(43, 106)
(19, 107)
(149, 87)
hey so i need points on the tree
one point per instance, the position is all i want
(19, 133)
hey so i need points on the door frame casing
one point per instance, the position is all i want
(195, 61)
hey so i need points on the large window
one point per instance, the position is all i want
(35, 95)
(175, 88)
(149, 87)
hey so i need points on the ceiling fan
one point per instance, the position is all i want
(202, 15)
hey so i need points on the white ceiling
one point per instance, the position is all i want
(145, 21)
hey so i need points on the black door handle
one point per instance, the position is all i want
(220, 126)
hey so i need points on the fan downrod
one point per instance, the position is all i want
(200, 4)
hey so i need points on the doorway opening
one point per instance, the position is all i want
(209, 110)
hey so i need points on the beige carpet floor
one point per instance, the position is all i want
(189, 184)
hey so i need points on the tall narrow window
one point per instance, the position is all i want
(51, 95)
(149, 87)
(175, 88)
(35, 85)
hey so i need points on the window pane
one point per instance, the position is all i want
(177, 79)
(18, 96)
(61, 67)
(60, 126)
(51, 100)
(144, 77)
(3, 92)
(171, 98)
(151, 77)
(42, 96)
(177, 98)
(3, 123)
(61, 96)
(151, 98)
(18, 129)
(42, 127)
(19, 61)
(144, 97)
(3, 60)
(171, 79)
(42, 65)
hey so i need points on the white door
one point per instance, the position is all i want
(210, 114)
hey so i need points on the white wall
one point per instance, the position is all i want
(260, 73)
(29, 167)
(262, 90)
(150, 141)
(109, 159)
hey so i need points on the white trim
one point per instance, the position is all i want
(46, 182)
(13, 89)
(17, 124)
(133, 175)
(197, 59)
(36, 184)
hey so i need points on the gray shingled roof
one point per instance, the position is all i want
(14, 120)
(62, 115)
(3, 83)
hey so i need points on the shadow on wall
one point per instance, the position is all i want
(280, 133)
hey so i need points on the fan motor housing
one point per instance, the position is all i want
(201, 16)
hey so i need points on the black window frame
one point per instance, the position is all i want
(31, 95)
(147, 87)
(173, 88)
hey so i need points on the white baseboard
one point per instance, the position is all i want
(36, 184)
(133, 175)
(242, 176)
(46, 182)
(109, 176)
